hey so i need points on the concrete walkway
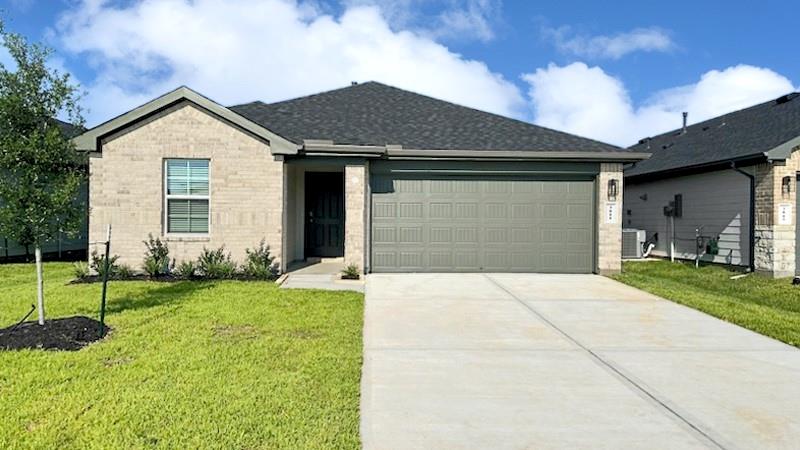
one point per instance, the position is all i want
(564, 361)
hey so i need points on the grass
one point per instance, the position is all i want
(765, 305)
(188, 365)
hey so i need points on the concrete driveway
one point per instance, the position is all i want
(564, 361)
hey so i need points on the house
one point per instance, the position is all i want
(735, 181)
(64, 247)
(69, 247)
(390, 180)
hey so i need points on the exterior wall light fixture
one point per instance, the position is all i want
(613, 188)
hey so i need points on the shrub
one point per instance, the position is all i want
(260, 264)
(81, 269)
(186, 270)
(216, 264)
(156, 258)
(98, 264)
(124, 271)
(351, 272)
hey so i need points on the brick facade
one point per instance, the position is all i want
(127, 188)
(609, 235)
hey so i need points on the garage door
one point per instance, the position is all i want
(481, 224)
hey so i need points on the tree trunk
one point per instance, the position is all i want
(39, 284)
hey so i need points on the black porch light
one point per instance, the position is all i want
(613, 187)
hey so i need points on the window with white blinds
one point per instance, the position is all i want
(187, 196)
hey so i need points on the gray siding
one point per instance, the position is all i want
(10, 249)
(718, 200)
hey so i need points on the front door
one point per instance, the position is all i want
(324, 214)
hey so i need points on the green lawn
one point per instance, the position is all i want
(188, 365)
(765, 305)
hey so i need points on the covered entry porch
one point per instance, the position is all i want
(324, 213)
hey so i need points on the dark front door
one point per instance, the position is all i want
(324, 214)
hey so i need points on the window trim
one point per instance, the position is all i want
(166, 197)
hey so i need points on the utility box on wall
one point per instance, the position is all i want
(675, 207)
(678, 205)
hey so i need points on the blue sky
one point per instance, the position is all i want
(615, 71)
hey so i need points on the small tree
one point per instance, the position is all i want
(40, 169)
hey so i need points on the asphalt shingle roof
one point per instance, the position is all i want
(738, 135)
(69, 129)
(376, 114)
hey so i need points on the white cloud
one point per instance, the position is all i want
(462, 20)
(651, 39)
(587, 101)
(474, 18)
(267, 50)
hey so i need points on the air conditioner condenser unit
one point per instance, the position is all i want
(633, 243)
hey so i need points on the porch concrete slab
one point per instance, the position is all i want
(744, 399)
(317, 266)
(455, 324)
(544, 287)
(648, 325)
(428, 286)
(507, 400)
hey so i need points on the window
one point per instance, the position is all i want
(187, 196)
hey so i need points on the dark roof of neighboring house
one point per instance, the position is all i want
(69, 129)
(740, 135)
(376, 114)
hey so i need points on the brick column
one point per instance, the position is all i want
(609, 235)
(356, 178)
(775, 241)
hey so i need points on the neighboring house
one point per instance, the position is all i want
(737, 178)
(65, 247)
(390, 180)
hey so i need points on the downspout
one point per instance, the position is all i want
(752, 178)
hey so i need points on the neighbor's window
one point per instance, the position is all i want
(187, 195)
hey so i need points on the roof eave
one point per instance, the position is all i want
(783, 151)
(620, 156)
(90, 140)
(695, 169)
(398, 152)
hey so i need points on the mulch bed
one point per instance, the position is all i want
(68, 333)
(136, 277)
(161, 279)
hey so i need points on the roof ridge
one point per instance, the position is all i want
(317, 94)
(261, 102)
